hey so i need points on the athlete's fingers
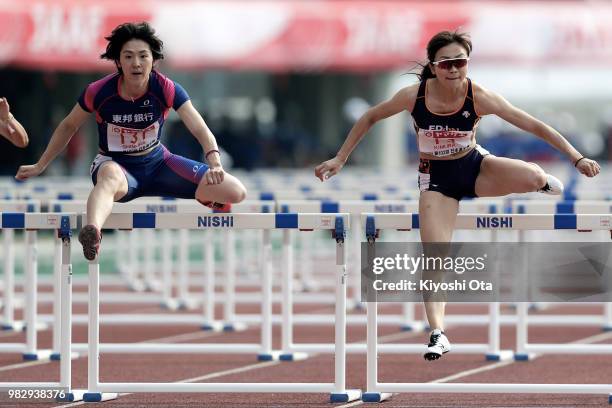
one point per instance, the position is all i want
(209, 177)
(320, 169)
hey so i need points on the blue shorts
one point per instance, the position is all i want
(158, 173)
(453, 178)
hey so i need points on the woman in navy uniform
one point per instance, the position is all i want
(130, 107)
(446, 107)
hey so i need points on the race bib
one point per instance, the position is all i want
(122, 139)
(444, 142)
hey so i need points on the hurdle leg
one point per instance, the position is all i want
(58, 298)
(183, 271)
(266, 353)
(340, 393)
(522, 310)
(150, 279)
(135, 283)
(8, 314)
(168, 301)
(229, 307)
(93, 338)
(494, 352)
(209, 290)
(356, 231)
(65, 322)
(287, 305)
(307, 279)
(121, 253)
(31, 299)
(372, 394)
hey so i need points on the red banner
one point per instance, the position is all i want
(303, 35)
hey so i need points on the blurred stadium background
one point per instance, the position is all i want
(281, 82)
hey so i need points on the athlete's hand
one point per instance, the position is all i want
(329, 168)
(27, 171)
(5, 114)
(588, 167)
(214, 175)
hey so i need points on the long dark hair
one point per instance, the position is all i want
(129, 31)
(442, 39)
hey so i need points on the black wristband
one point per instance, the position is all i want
(210, 152)
(578, 161)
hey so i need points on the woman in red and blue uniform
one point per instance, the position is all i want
(446, 107)
(131, 107)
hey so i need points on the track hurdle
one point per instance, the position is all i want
(567, 207)
(357, 207)
(63, 224)
(8, 298)
(337, 223)
(377, 392)
(184, 299)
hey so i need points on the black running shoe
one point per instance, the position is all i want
(90, 237)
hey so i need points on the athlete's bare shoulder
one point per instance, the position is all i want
(479, 90)
(407, 96)
(486, 101)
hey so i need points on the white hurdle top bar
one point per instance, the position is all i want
(158, 205)
(382, 206)
(35, 221)
(225, 221)
(503, 221)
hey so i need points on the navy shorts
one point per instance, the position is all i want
(453, 178)
(158, 173)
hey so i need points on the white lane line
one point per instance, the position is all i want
(183, 337)
(23, 365)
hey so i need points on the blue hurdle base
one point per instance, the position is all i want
(413, 326)
(213, 326)
(355, 305)
(606, 328)
(272, 356)
(40, 355)
(234, 326)
(523, 356)
(13, 326)
(55, 356)
(346, 396)
(99, 396)
(375, 396)
(297, 356)
(610, 399)
(71, 396)
(503, 355)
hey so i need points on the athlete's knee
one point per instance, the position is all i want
(111, 176)
(237, 193)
